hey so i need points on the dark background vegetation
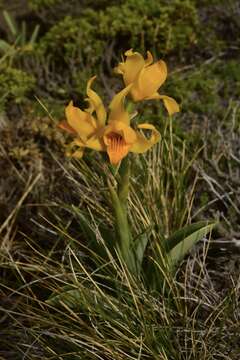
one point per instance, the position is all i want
(57, 45)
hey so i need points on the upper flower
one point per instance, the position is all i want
(146, 78)
(116, 137)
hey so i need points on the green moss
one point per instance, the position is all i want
(159, 25)
(229, 73)
(15, 85)
(207, 89)
(70, 38)
(71, 6)
(39, 4)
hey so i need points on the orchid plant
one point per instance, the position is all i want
(112, 132)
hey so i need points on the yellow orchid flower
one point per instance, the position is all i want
(84, 125)
(116, 137)
(146, 78)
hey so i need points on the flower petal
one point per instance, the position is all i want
(170, 104)
(117, 106)
(151, 78)
(117, 149)
(129, 135)
(80, 121)
(118, 138)
(120, 128)
(131, 67)
(95, 142)
(65, 126)
(142, 144)
(78, 154)
(149, 59)
(96, 103)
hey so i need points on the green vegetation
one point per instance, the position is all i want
(63, 293)
(16, 84)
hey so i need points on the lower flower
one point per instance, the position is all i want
(116, 137)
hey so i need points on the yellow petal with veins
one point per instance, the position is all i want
(96, 103)
(142, 144)
(118, 138)
(119, 128)
(117, 148)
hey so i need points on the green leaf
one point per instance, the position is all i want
(184, 244)
(10, 22)
(73, 298)
(183, 233)
(80, 297)
(139, 247)
(34, 35)
(4, 46)
(121, 223)
(23, 33)
(123, 183)
(124, 239)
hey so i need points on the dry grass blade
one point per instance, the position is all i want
(10, 219)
